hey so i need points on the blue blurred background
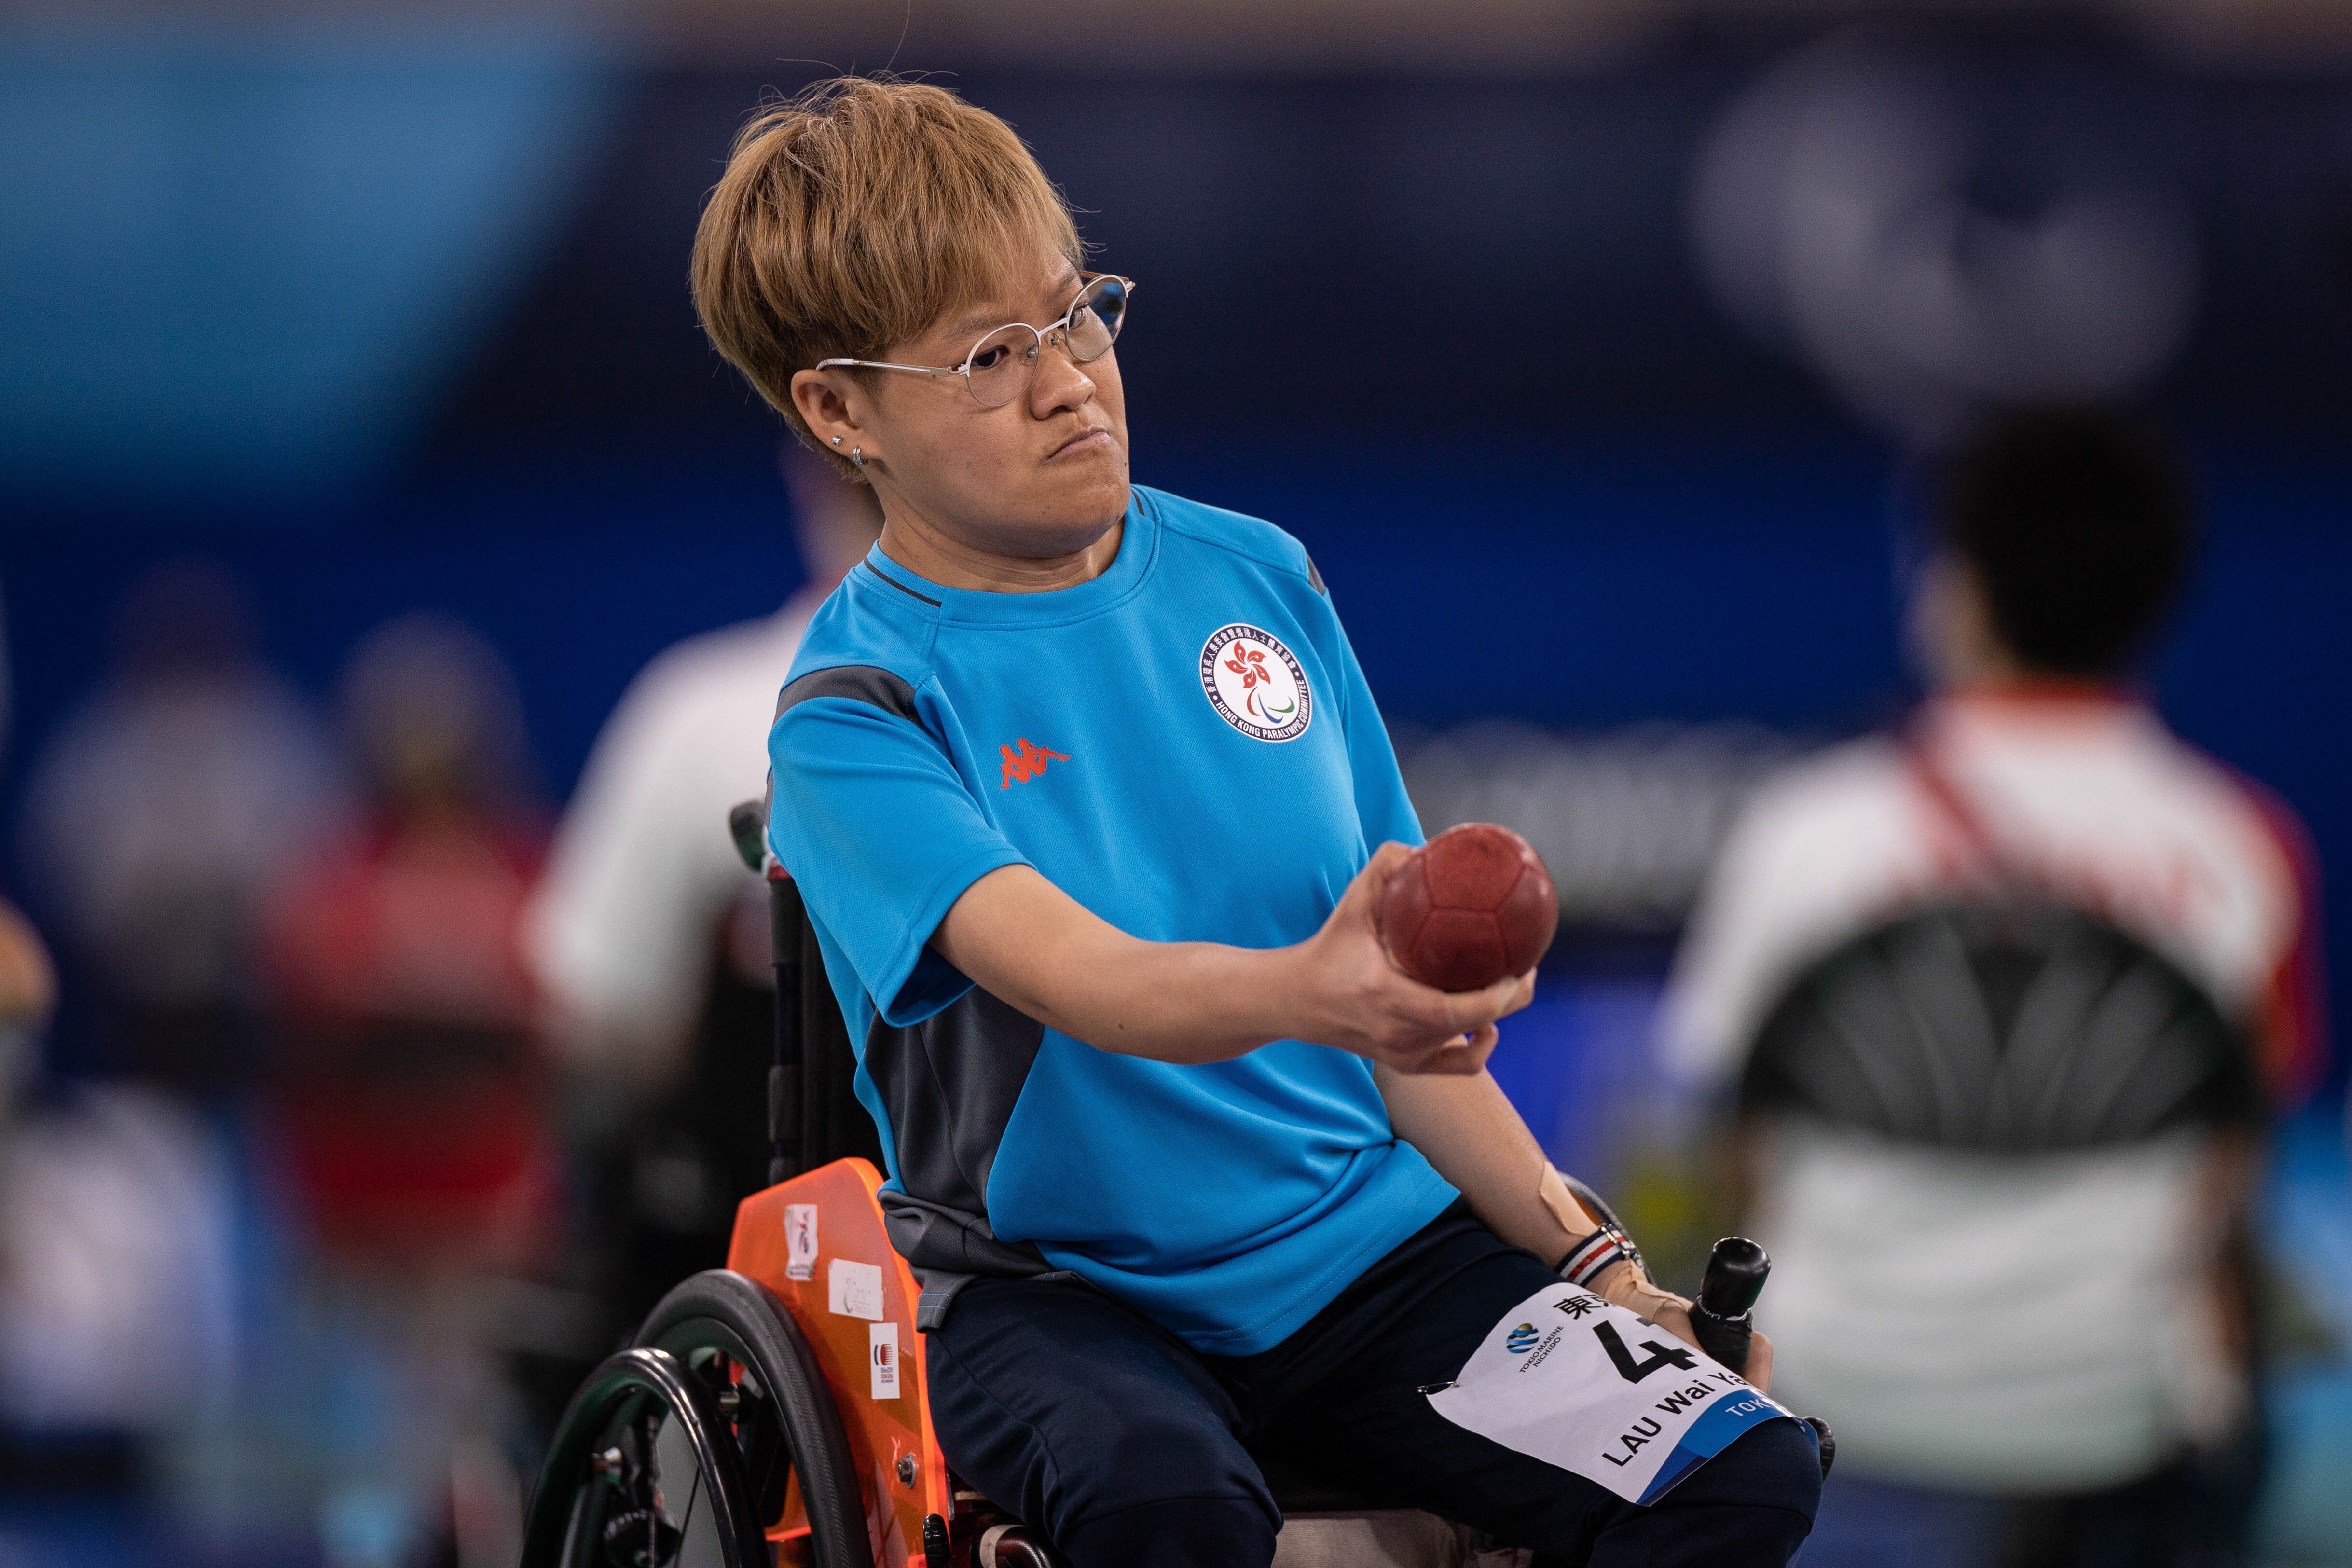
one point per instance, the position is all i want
(1505, 314)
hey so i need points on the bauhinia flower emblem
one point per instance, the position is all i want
(1254, 683)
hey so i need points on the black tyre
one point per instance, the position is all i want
(643, 1472)
(731, 1334)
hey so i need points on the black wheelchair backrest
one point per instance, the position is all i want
(813, 1115)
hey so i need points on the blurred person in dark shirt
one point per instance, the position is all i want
(650, 940)
(157, 815)
(2036, 1355)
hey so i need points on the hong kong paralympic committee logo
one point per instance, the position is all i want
(1254, 684)
(1522, 1339)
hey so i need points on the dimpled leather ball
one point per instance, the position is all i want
(1471, 906)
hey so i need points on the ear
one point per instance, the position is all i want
(832, 403)
(1951, 624)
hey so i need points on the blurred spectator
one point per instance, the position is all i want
(114, 1284)
(652, 941)
(157, 815)
(28, 993)
(115, 1295)
(408, 1066)
(410, 1110)
(2026, 1315)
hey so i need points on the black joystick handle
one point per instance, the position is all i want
(1736, 1272)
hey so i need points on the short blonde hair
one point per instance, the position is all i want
(856, 215)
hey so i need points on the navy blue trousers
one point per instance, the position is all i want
(1131, 1450)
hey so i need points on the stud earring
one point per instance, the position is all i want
(836, 440)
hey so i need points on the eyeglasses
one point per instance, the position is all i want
(1004, 363)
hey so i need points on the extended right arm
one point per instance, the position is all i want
(1021, 938)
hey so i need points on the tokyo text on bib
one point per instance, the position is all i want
(1576, 1381)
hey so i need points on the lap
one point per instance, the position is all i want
(1064, 1407)
(1347, 1388)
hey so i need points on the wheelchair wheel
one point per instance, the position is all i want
(644, 1473)
(732, 1334)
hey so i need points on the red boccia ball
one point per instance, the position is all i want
(1473, 905)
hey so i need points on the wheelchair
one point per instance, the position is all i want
(775, 1412)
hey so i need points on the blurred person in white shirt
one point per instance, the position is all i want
(650, 940)
(157, 815)
(2028, 1356)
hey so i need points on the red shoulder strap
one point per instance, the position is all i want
(1959, 814)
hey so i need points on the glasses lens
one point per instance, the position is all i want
(1000, 368)
(1096, 318)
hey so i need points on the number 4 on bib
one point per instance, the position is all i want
(1558, 1380)
(1632, 1371)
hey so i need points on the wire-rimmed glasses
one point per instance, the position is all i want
(1003, 364)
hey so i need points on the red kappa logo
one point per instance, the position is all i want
(1027, 763)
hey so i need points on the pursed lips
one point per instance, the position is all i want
(1081, 439)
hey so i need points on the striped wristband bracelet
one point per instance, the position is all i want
(1598, 1253)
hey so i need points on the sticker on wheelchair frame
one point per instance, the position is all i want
(883, 1340)
(853, 1289)
(1581, 1383)
(800, 1241)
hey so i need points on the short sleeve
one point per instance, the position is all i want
(876, 826)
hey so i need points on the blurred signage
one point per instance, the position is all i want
(241, 264)
(1628, 820)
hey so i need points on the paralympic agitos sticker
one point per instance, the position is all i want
(1254, 683)
(1581, 1383)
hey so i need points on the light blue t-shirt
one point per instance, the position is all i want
(1186, 746)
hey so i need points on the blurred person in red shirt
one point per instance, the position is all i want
(408, 1073)
(2032, 1349)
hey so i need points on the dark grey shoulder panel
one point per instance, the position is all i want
(949, 1084)
(1315, 578)
(858, 682)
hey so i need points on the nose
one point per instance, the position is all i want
(1058, 381)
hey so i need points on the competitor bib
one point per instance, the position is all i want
(1575, 1381)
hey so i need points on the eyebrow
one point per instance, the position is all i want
(974, 322)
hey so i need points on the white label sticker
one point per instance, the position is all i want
(853, 1289)
(800, 1241)
(1578, 1381)
(884, 1338)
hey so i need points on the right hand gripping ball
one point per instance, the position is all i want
(1473, 905)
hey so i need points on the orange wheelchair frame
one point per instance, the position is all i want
(790, 1383)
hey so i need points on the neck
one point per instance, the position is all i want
(928, 552)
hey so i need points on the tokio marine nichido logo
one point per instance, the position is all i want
(1254, 684)
(1522, 1339)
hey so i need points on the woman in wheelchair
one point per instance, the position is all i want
(1091, 808)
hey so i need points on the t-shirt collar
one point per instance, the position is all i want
(1139, 544)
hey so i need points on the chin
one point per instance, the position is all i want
(1082, 512)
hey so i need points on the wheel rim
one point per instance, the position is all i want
(716, 1357)
(646, 1473)
(735, 1333)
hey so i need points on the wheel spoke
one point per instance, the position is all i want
(686, 1525)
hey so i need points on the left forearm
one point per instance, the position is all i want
(1472, 1133)
(1475, 1137)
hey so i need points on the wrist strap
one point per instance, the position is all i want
(1596, 1254)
